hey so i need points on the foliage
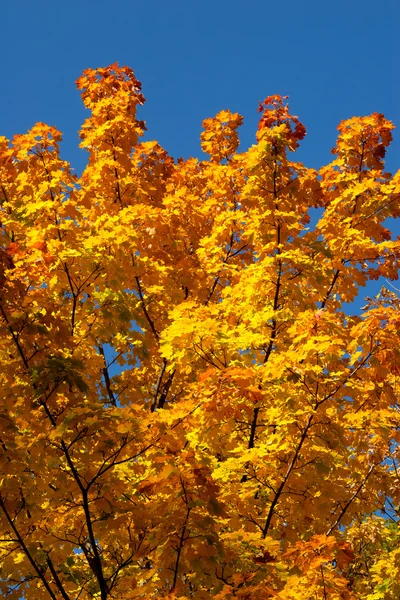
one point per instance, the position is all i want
(247, 444)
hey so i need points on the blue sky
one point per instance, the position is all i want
(334, 59)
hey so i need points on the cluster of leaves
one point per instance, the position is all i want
(247, 445)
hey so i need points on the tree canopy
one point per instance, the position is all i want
(188, 409)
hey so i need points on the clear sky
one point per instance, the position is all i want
(335, 59)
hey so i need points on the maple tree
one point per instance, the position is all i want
(247, 445)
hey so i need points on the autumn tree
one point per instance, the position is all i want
(188, 410)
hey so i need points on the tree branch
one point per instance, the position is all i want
(106, 376)
(348, 503)
(286, 477)
(38, 569)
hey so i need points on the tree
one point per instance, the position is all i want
(246, 446)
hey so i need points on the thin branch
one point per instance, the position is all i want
(56, 578)
(351, 499)
(158, 384)
(286, 477)
(38, 569)
(144, 307)
(106, 376)
(332, 285)
(165, 389)
(15, 338)
(181, 538)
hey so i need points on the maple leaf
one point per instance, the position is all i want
(187, 408)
